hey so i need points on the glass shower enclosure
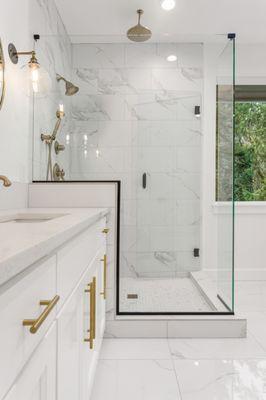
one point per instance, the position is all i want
(152, 116)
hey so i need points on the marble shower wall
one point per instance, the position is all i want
(54, 54)
(134, 114)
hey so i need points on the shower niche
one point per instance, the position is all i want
(150, 115)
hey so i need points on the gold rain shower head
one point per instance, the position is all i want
(139, 33)
(70, 87)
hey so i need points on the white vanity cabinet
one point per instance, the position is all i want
(37, 380)
(58, 361)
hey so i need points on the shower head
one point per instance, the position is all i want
(70, 87)
(139, 33)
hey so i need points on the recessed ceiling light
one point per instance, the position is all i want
(168, 4)
(172, 58)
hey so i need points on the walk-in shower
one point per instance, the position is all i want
(158, 117)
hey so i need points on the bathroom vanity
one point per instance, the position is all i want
(52, 302)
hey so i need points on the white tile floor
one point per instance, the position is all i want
(190, 369)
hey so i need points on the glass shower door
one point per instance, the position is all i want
(225, 174)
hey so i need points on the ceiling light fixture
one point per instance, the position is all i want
(168, 5)
(171, 58)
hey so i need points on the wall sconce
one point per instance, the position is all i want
(33, 63)
(197, 111)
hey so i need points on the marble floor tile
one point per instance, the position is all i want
(135, 380)
(216, 348)
(136, 349)
(221, 379)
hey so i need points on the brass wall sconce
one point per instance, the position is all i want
(33, 63)
(2, 75)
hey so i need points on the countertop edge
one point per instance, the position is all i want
(12, 267)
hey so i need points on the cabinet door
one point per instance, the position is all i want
(89, 353)
(70, 337)
(37, 380)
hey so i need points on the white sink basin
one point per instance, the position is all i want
(29, 218)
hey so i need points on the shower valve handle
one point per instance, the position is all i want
(144, 180)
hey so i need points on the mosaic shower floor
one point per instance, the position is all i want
(161, 295)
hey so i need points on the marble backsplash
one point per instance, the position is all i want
(54, 54)
(134, 114)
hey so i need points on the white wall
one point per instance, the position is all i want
(19, 20)
(15, 116)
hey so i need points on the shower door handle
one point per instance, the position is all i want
(144, 180)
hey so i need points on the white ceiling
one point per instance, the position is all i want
(113, 17)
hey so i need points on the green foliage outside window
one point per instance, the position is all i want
(250, 151)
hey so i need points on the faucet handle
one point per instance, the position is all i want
(58, 147)
(58, 174)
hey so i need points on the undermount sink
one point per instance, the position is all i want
(30, 218)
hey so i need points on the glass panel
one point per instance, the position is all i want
(138, 118)
(225, 174)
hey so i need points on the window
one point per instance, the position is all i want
(250, 145)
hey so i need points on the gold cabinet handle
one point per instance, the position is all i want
(92, 328)
(36, 323)
(105, 230)
(104, 259)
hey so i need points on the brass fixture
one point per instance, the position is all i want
(105, 230)
(2, 75)
(58, 174)
(49, 139)
(33, 63)
(14, 55)
(58, 147)
(70, 87)
(35, 324)
(92, 297)
(139, 33)
(104, 259)
(6, 181)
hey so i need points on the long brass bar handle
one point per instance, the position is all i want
(92, 291)
(105, 230)
(36, 323)
(94, 307)
(90, 330)
(104, 259)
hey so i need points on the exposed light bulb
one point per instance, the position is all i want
(168, 5)
(85, 138)
(171, 58)
(35, 79)
(67, 139)
(61, 107)
(97, 153)
(85, 153)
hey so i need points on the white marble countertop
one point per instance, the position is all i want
(22, 244)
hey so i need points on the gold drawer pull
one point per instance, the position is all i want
(105, 230)
(92, 331)
(36, 323)
(104, 259)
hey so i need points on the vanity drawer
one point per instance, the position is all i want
(75, 257)
(19, 302)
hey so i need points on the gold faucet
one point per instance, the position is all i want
(6, 181)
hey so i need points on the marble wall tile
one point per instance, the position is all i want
(149, 55)
(98, 108)
(137, 110)
(99, 55)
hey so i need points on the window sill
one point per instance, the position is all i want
(241, 207)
